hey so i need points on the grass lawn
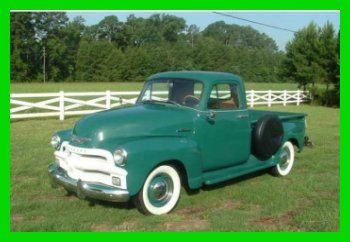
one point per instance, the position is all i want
(306, 200)
(120, 86)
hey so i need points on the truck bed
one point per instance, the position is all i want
(284, 116)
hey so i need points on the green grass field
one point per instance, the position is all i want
(120, 86)
(306, 200)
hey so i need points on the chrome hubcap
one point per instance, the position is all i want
(160, 190)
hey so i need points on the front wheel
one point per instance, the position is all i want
(160, 192)
(286, 160)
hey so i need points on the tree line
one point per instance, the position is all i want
(112, 50)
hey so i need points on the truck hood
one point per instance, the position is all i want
(133, 122)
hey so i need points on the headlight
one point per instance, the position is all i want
(120, 157)
(55, 141)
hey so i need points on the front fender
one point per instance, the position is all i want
(64, 134)
(147, 153)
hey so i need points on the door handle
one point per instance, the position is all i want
(242, 116)
(211, 116)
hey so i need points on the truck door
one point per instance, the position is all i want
(223, 131)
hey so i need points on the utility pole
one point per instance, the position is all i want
(44, 63)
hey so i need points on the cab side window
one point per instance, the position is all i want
(224, 96)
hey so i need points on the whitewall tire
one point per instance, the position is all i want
(286, 162)
(160, 192)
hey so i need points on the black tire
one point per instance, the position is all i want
(267, 136)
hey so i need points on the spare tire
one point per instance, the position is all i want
(267, 136)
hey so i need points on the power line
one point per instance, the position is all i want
(254, 22)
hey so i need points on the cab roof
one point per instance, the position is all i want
(205, 76)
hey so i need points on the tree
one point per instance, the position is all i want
(302, 63)
(328, 53)
(312, 56)
(109, 28)
(239, 36)
(130, 51)
(135, 31)
(50, 34)
(192, 33)
(73, 33)
(22, 47)
(99, 61)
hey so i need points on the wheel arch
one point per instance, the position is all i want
(181, 168)
(295, 142)
(143, 158)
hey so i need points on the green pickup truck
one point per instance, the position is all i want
(187, 128)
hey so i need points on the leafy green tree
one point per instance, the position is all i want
(302, 58)
(239, 36)
(73, 33)
(130, 51)
(135, 31)
(328, 53)
(192, 33)
(49, 31)
(110, 29)
(23, 47)
(99, 61)
(312, 56)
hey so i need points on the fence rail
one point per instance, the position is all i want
(61, 104)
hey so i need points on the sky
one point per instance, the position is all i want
(290, 20)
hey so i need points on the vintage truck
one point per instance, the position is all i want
(187, 128)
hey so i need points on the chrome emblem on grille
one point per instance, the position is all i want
(79, 139)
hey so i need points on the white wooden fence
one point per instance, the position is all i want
(61, 104)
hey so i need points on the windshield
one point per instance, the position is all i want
(183, 92)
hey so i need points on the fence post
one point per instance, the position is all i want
(269, 99)
(252, 98)
(298, 98)
(61, 100)
(108, 99)
(285, 98)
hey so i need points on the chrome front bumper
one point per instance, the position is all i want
(99, 191)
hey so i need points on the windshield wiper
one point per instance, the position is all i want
(173, 102)
(158, 101)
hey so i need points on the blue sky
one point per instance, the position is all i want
(289, 20)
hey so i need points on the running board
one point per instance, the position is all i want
(252, 164)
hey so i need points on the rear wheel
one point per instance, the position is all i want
(160, 192)
(285, 165)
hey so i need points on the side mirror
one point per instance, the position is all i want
(211, 116)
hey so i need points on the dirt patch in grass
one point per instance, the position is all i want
(16, 218)
(39, 219)
(126, 226)
(100, 227)
(230, 204)
(188, 225)
(189, 212)
(22, 179)
(271, 221)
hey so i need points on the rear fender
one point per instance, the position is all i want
(294, 131)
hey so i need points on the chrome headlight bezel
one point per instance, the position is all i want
(55, 141)
(120, 157)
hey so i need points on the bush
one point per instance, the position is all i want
(325, 97)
